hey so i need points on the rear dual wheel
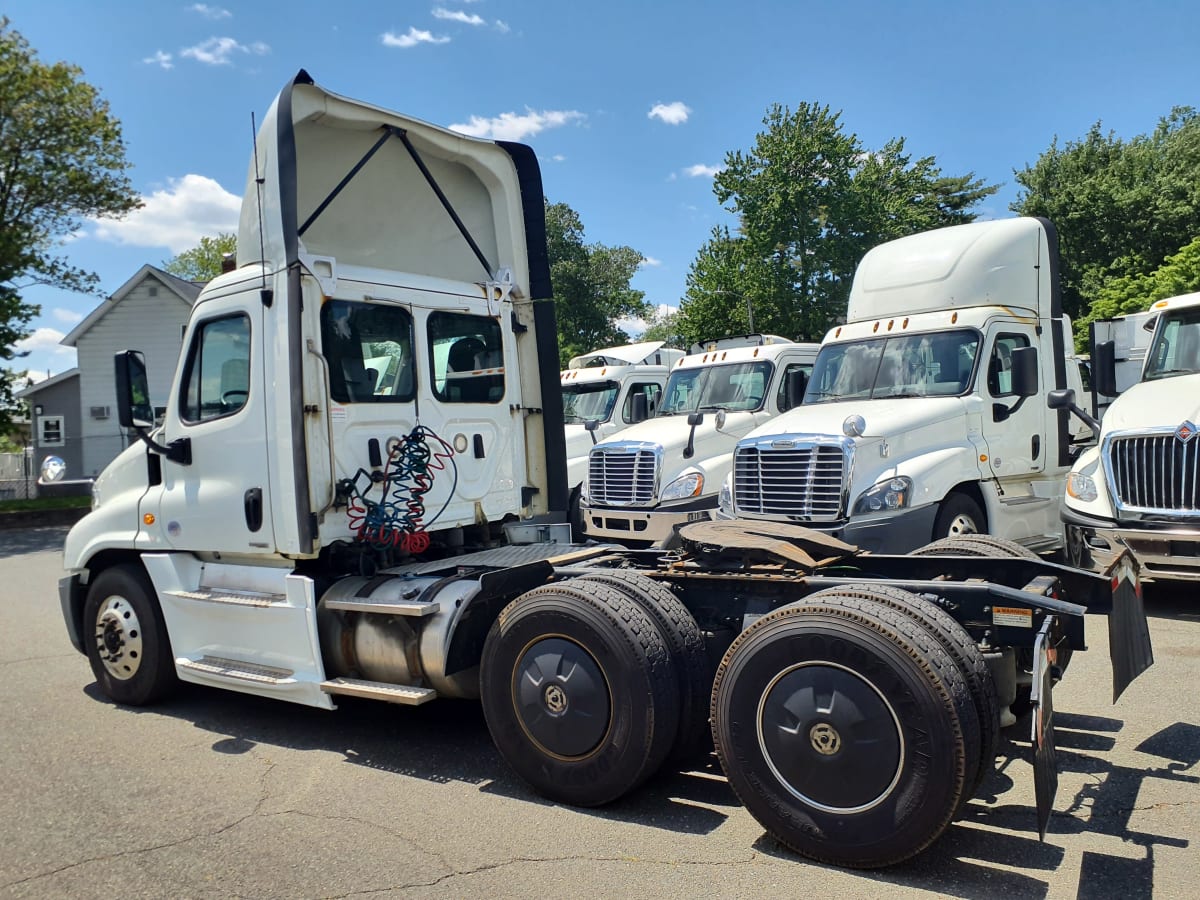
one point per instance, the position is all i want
(846, 730)
(578, 692)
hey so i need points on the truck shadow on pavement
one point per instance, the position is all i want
(20, 541)
(991, 850)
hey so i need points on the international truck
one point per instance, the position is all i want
(606, 391)
(925, 416)
(668, 470)
(301, 529)
(1138, 490)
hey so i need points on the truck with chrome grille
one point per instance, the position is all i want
(358, 490)
(1139, 489)
(668, 470)
(925, 415)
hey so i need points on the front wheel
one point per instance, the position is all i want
(958, 515)
(126, 637)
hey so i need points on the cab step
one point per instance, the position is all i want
(379, 690)
(384, 608)
(236, 669)
(233, 598)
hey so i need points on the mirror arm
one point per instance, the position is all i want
(178, 451)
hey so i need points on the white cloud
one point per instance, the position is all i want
(511, 126)
(634, 326)
(67, 316)
(701, 171)
(457, 15)
(502, 26)
(412, 38)
(558, 157)
(219, 51)
(44, 339)
(193, 207)
(216, 13)
(161, 59)
(650, 262)
(671, 113)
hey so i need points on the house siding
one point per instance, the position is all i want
(60, 399)
(149, 318)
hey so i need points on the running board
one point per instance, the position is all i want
(379, 690)
(233, 598)
(384, 608)
(236, 670)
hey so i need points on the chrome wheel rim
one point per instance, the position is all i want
(118, 636)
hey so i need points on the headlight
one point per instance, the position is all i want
(725, 499)
(894, 493)
(683, 487)
(1081, 487)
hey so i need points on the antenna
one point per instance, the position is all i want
(258, 183)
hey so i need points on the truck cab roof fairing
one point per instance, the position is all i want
(387, 215)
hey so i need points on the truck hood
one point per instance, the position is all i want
(885, 418)
(1154, 404)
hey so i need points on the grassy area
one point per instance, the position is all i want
(44, 503)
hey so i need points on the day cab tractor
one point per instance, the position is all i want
(300, 528)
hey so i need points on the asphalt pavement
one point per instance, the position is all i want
(213, 794)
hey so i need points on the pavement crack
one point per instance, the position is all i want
(166, 845)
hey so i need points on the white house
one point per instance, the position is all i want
(147, 313)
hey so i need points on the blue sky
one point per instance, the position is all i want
(630, 106)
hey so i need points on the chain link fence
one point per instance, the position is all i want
(75, 462)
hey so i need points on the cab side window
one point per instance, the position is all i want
(217, 380)
(784, 398)
(369, 350)
(467, 358)
(650, 391)
(999, 377)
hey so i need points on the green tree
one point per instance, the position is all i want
(810, 201)
(1121, 206)
(664, 326)
(591, 285)
(203, 262)
(62, 160)
(1179, 274)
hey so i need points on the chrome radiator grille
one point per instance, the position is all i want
(804, 481)
(1156, 473)
(620, 476)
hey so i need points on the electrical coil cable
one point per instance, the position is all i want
(397, 518)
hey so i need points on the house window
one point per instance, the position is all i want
(50, 431)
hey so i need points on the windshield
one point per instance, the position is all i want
(585, 402)
(733, 386)
(1176, 346)
(911, 365)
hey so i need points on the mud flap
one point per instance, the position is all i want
(1045, 757)
(1128, 631)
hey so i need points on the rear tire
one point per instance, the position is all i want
(578, 693)
(126, 638)
(962, 649)
(976, 545)
(841, 728)
(689, 657)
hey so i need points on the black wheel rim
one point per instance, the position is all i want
(561, 697)
(830, 737)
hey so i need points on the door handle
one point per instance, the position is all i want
(254, 508)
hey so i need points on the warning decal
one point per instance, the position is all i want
(1012, 616)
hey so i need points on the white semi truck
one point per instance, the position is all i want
(606, 391)
(925, 415)
(668, 470)
(1139, 489)
(300, 528)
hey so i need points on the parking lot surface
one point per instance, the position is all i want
(213, 794)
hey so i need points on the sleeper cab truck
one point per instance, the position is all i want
(925, 416)
(359, 489)
(1139, 488)
(668, 470)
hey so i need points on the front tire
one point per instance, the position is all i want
(126, 637)
(578, 692)
(958, 515)
(840, 727)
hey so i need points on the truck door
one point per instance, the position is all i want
(1012, 428)
(220, 502)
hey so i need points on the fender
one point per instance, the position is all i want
(934, 474)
